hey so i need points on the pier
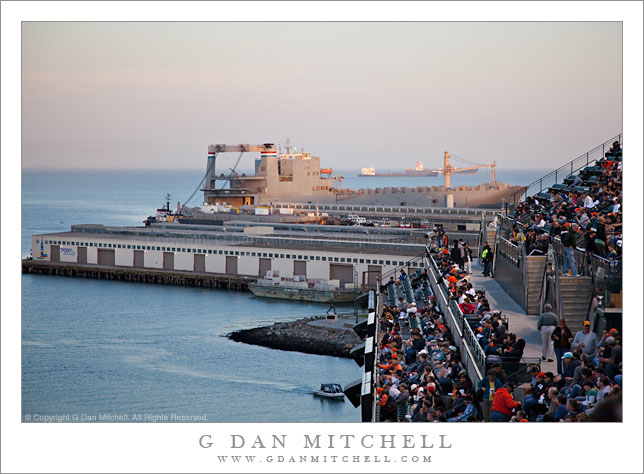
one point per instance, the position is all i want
(138, 275)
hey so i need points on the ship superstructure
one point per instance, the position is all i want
(368, 171)
(289, 176)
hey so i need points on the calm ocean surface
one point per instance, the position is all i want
(93, 347)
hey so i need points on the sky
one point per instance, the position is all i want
(155, 95)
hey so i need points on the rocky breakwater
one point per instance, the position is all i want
(314, 335)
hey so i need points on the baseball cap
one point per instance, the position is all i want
(567, 355)
(414, 387)
(586, 323)
(541, 374)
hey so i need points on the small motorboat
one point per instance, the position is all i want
(330, 390)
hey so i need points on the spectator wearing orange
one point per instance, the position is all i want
(503, 404)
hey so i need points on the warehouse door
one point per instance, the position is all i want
(231, 265)
(264, 266)
(375, 272)
(82, 255)
(54, 253)
(168, 260)
(299, 268)
(200, 263)
(106, 257)
(139, 258)
(344, 273)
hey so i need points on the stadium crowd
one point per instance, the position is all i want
(584, 213)
(420, 374)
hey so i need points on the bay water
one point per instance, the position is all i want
(97, 350)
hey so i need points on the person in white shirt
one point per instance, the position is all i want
(461, 299)
(583, 219)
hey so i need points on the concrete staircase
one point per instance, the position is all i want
(576, 294)
(536, 267)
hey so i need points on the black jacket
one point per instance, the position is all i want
(563, 341)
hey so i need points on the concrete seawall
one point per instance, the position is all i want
(311, 336)
(138, 275)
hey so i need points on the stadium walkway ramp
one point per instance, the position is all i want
(522, 325)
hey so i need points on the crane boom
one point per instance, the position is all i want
(220, 148)
(449, 169)
(213, 150)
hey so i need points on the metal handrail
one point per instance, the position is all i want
(409, 263)
(524, 363)
(558, 297)
(477, 356)
(569, 168)
(524, 264)
(482, 229)
(509, 251)
(495, 252)
(376, 339)
(544, 284)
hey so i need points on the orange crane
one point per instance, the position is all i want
(449, 169)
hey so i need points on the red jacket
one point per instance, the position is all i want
(467, 308)
(503, 402)
(383, 400)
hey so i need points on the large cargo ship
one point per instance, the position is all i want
(297, 178)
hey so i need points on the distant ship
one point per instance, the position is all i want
(293, 177)
(409, 172)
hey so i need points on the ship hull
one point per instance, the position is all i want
(425, 196)
(301, 294)
(435, 196)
